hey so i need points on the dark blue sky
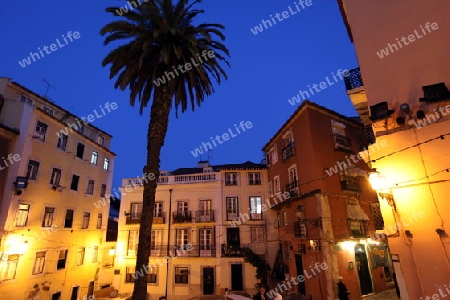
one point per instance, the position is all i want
(267, 69)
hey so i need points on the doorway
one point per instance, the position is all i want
(208, 281)
(90, 291)
(362, 264)
(236, 277)
(56, 296)
(74, 295)
(299, 266)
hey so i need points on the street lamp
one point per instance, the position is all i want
(377, 181)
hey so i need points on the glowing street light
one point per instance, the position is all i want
(377, 181)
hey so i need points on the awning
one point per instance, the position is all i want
(354, 211)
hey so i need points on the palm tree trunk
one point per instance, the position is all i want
(157, 129)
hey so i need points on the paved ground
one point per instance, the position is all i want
(386, 295)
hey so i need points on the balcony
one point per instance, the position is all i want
(135, 218)
(195, 178)
(159, 218)
(351, 183)
(292, 188)
(300, 229)
(206, 250)
(288, 151)
(231, 250)
(342, 142)
(204, 216)
(182, 217)
(353, 80)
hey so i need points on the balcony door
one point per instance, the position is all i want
(182, 208)
(155, 243)
(158, 210)
(233, 237)
(205, 211)
(206, 238)
(232, 208)
(135, 211)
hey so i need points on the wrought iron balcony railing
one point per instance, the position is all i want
(188, 250)
(351, 183)
(204, 216)
(135, 218)
(342, 142)
(292, 188)
(182, 217)
(288, 151)
(159, 218)
(353, 80)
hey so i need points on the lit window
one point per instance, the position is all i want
(94, 158)
(106, 164)
(22, 215)
(133, 239)
(39, 262)
(8, 267)
(255, 208)
(130, 274)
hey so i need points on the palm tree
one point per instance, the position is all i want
(158, 37)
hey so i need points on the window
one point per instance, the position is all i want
(158, 210)
(255, 208)
(206, 238)
(74, 182)
(86, 217)
(287, 250)
(232, 208)
(39, 261)
(357, 228)
(94, 157)
(90, 187)
(62, 257)
(257, 234)
(231, 178)
(182, 236)
(41, 130)
(62, 141)
(292, 187)
(135, 211)
(254, 178)
(68, 219)
(25, 99)
(100, 140)
(99, 221)
(55, 179)
(8, 267)
(48, 110)
(22, 215)
(48, 217)
(130, 274)
(80, 256)
(377, 217)
(133, 240)
(80, 129)
(276, 184)
(278, 224)
(205, 214)
(155, 243)
(181, 275)
(182, 208)
(80, 150)
(33, 168)
(103, 190)
(95, 254)
(285, 218)
(273, 155)
(106, 164)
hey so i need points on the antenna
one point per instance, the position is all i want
(48, 86)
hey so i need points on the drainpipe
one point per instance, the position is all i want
(168, 241)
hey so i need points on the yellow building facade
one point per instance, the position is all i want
(51, 233)
(401, 92)
(202, 217)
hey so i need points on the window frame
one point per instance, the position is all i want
(55, 180)
(94, 157)
(78, 154)
(253, 201)
(182, 278)
(79, 259)
(40, 136)
(62, 142)
(233, 181)
(60, 260)
(257, 234)
(72, 182)
(99, 221)
(86, 220)
(20, 217)
(90, 187)
(32, 173)
(49, 215)
(71, 220)
(254, 178)
(232, 207)
(106, 164)
(103, 190)
(39, 263)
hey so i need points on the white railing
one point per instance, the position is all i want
(175, 179)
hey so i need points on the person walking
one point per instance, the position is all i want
(342, 289)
